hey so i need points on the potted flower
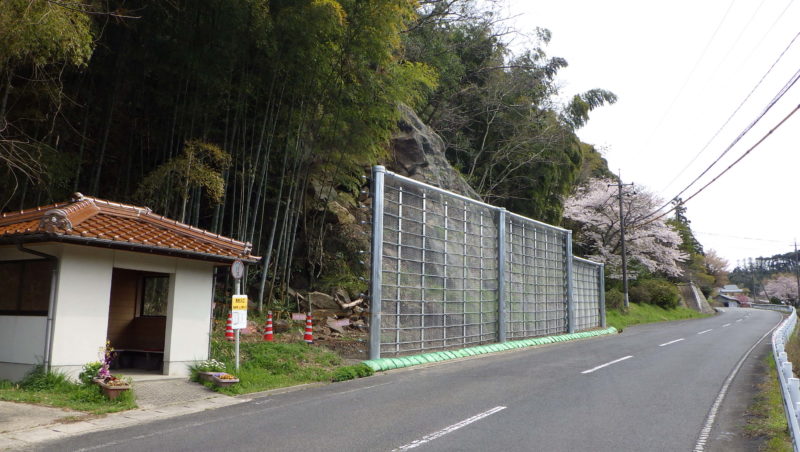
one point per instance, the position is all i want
(206, 369)
(112, 386)
(223, 379)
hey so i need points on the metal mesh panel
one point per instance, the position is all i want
(439, 270)
(437, 279)
(586, 294)
(535, 283)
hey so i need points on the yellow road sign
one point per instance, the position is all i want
(239, 303)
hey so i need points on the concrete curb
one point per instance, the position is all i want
(383, 364)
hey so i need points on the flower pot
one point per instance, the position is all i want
(112, 391)
(206, 376)
(222, 382)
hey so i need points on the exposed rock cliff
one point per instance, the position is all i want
(418, 152)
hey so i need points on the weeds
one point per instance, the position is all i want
(647, 313)
(57, 390)
(766, 418)
(270, 365)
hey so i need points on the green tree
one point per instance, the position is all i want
(37, 40)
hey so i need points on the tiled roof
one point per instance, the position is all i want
(93, 221)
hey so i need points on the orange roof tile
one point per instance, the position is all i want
(94, 221)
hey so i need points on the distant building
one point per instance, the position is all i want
(731, 290)
(728, 301)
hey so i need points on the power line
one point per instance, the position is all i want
(726, 169)
(691, 73)
(741, 238)
(727, 121)
(777, 19)
(769, 106)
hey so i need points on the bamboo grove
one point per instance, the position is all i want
(251, 117)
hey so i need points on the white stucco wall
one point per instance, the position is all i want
(80, 322)
(188, 319)
(23, 345)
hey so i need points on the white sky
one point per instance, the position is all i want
(680, 69)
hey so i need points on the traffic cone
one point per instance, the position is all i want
(268, 328)
(308, 337)
(229, 328)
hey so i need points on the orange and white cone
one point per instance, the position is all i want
(229, 328)
(268, 328)
(308, 337)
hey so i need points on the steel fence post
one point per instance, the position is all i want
(570, 295)
(601, 277)
(501, 275)
(376, 262)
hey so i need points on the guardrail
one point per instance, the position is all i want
(790, 386)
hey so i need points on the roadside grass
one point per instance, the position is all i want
(270, 365)
(648, 313)
(56, 390)
(766, 419)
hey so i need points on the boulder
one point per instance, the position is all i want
(321, 300)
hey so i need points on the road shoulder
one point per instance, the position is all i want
(728, 433)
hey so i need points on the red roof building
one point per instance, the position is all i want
(96, 222)
(77, 274)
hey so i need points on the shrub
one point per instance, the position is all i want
(614, 299)
(89, 372)
(656, 291)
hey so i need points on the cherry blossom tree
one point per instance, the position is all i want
(782, 286)
(651, 243)
(717, 266)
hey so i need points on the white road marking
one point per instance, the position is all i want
(670, 342)
(450, 429)
(739, 320)
(700, 445)
(706, 331)
(727, 324)
(606, 364)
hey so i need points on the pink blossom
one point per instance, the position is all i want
(652, 243)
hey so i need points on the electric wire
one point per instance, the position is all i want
(691, 73)
(769, 106)
(777, 19)
(748, 151)
(727, 121)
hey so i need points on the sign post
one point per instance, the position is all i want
(238, 304)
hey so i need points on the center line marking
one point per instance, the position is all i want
(450, 429)
(706, 331)
(671, 342)
(606, 364)
(739, 320)
(727, 324)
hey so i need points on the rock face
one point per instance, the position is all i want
(418, 152)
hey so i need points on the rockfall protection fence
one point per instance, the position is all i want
(451, 272)
(790, 386)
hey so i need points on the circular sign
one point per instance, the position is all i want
(237, 269)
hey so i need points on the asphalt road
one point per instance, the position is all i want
(651, 388)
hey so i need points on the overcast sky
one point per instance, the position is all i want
(680, 70)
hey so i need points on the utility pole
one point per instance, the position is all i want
(619, 186)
